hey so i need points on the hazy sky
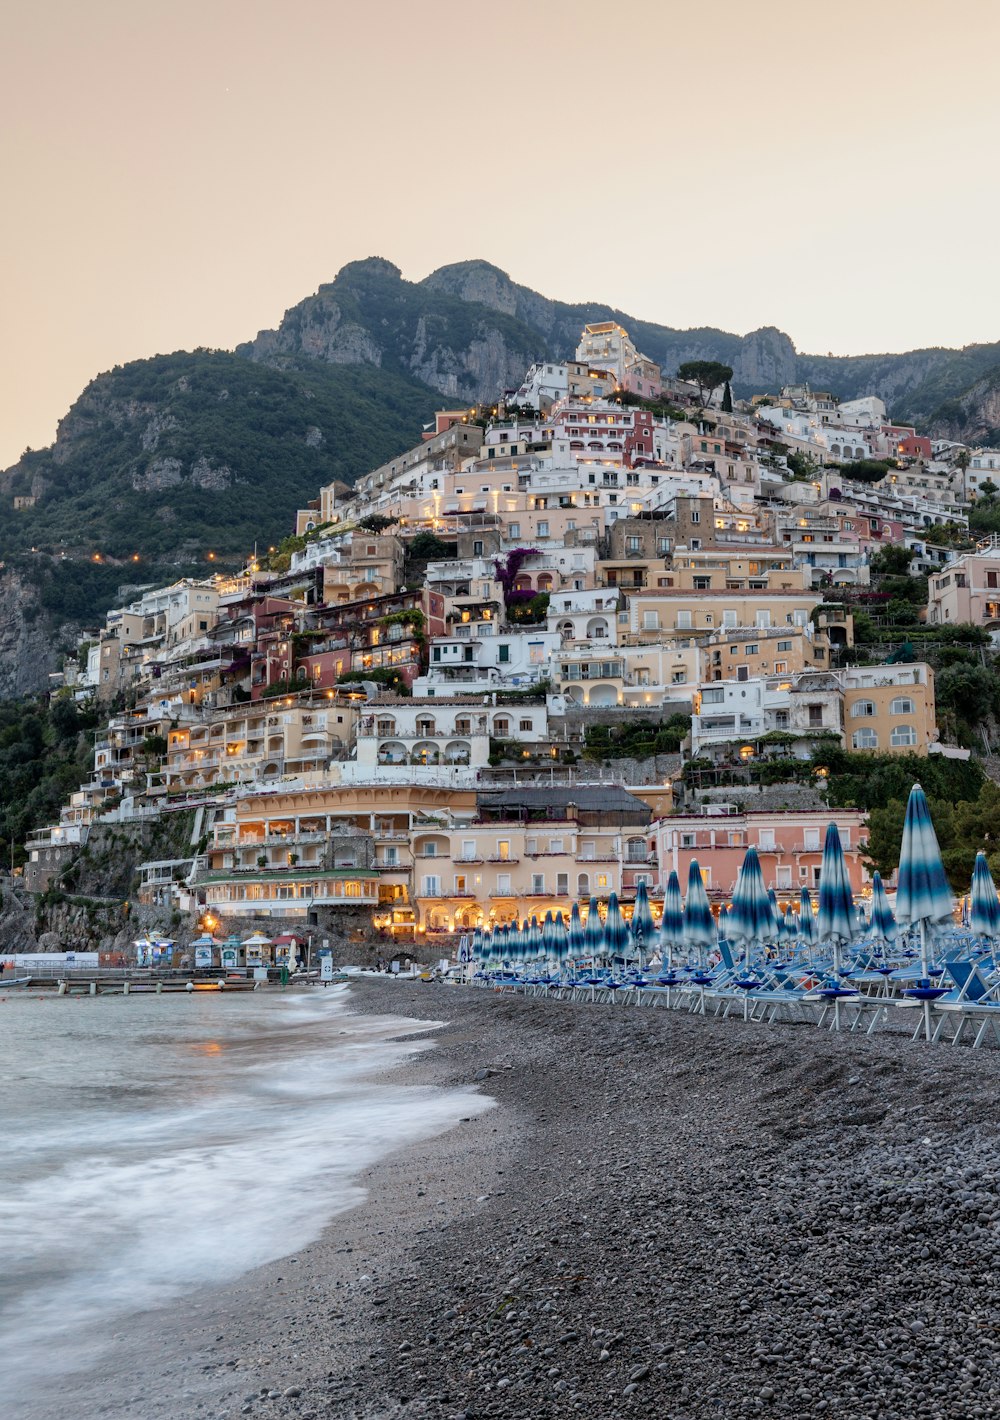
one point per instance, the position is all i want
(178, 175)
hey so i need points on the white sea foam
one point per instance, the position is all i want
(162, 1150)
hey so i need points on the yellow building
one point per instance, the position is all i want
(890, 709)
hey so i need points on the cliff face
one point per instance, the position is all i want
(468, 330)
(27, 649)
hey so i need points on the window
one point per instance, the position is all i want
(468, 847)
(810, 839)
(752, 649)
(543, 527)
(902, 735)
(515, 529)
(696, 515)
(683, 621)
(562, 885)
(864, 739)
(430, 850)
(861, 709)
(633, 544)
(503, 848)
(477, 549)
(902, 705)
(650, 621)
(602, 882)
(537, 883)
(523, 725)
(460, 884)
(703, 584)
(784, 645)
(503, 652)
(713, 696)
(991, 579)
(815, 716)
(432, 886)
(503, 882)
(730, 619)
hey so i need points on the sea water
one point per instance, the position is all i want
(151, 1145)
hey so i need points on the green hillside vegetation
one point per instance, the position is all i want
(215, 410)
(46, 751)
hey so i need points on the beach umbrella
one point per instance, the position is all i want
(984, 908)
(616, 933)
(642, 926)
(672, 921)
(562, 944)
(836, 924)
(807, 922)
(593, 932)
(476, 950)
(574, 934)
(550, 940)
(700, 932)
(883, 924)
(536, 945)
(751, 920)
(787, 929)
(511, 943)
(923, 898)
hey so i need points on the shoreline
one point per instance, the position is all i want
(663, 1215)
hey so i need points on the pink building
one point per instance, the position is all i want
(789, 844)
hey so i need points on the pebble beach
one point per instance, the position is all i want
(663, 1216)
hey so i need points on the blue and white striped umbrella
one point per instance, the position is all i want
(574, 934)
(593, 932)
(514, 944)
(787, 927)
(700, 933)
(477, 944)
(984, 910)
(836, 923)
(807, 922)
(616, 933)
(536, 947)
(550, 940)
(559, 935)
(923, 898)
(642, 926)
(751, 921)
(672, 921)
(882, 928)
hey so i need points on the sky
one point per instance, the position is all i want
(179, 175)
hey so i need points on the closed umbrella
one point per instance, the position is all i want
(562, 943)
(923, 898)
(643, 927)
(672, 921)
(476, 952)
(550, 941)
(593, 932)
(536, 946)
(786, 927)
(700, 933)
(751, 921)
(883, 923)
(807, 922)
(836, 924)
(984, 907)
(616, 934)
(574, 935)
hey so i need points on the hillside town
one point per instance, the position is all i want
(561, 645)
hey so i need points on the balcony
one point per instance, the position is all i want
(501, 859)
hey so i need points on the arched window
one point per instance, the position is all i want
(583, 885)
(864, 739)
(902, 705)
(862, 709)
(902, 735)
